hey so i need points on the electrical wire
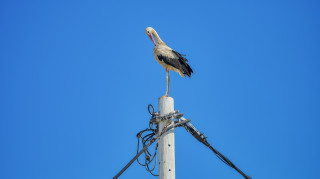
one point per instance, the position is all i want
(150, 135)
(148, 157)
(201, 138)
(146, 145)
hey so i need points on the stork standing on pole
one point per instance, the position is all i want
(168, 58)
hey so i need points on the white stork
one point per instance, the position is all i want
(168, 58)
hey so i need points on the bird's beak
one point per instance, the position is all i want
(152, 39)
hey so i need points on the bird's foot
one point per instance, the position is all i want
(164, 96)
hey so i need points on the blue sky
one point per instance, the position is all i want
(77, 76)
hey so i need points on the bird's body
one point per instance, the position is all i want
(168, 58)
(172, 60)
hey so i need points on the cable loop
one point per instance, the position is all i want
(150, 105)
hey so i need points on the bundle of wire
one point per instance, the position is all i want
(200, 137)
(146, 136)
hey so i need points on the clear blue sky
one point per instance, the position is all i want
(77, 76)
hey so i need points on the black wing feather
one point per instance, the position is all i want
(180, 63)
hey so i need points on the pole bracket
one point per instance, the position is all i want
(156, 118)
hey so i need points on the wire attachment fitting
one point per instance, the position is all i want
(156, 118)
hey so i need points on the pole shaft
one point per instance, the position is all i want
(166, 143)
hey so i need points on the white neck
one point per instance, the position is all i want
(156, 36)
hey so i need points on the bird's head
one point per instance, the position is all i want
(149, 32)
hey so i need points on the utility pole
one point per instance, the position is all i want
(165, 125)
(166, 143)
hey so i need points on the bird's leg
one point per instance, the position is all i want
(167, 87)
(168, 81)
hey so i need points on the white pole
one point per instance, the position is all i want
(166, 144)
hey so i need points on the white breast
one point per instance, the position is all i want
(164, 51)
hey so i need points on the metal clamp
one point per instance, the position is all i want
(171, 116)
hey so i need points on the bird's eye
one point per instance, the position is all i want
(148, 32)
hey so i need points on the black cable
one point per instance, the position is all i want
(200, 137)
(134, 158)
(150, 137)
(144, 140)
(155, 163)
(228, 162)
(166, 129)
(148, 157)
